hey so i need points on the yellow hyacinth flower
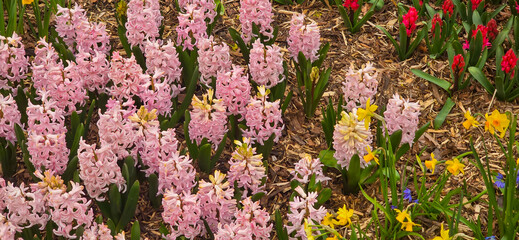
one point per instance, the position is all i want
(470, 122)
(444, 235)
(431, 164)
(344, 216)
(370, 156)
(497, 121)
(366, 114)
(455, 167)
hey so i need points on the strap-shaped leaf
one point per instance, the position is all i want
(393, 41)
(421, 131)
(440, 118)
(153, 181)
(71, 168)
(204, 158)
(130, 206)
(75, 143)
(280, 227)
(439, 82)
(115, 202)
(480, 77)
(136, 231)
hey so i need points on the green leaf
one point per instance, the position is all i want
(393, 41)
(130, 206)
(204, 158)
(105, 208)
(115, 202)
(352, 175)
(75, 143)
(440, 82)
(324, 195)
(480, 77)
(280, 228)
(327, 159)
(136, 231)
(396, 138)
(421, 131)
(257, 196)
(153, 181)
(71, 168)
(440, 118)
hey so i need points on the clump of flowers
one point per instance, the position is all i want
(143, 22)
(359, 85)
(9, 116)
(75, 29)
(182, 212)
(303, 38)
(266, 64)
(402, 115)
(97, 231)
(233, 88)
(492, 29)
(246, 168)
(475, 4)
(351, 4)
(46, 135)
(212, 59)
(163, 64)
(208, 119)
(409, 21)
(177, 174)
(114, 128)
(92, 69)
(263, 118)
(308, 166)
(350, 137)
(127, 77)
(207, 6)
(216, 200)
(448, 8)
(191, 26)
(302, 209)
(14, 64)
(258, 12)
(98, 169)
(509, 62)
(405, 219)
(497, 121)
(251, 220)
(484, 32)
(64, 84)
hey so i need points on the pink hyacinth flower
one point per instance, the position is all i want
(303, 207)
(13, 62)
(251, 223)
(246, 168)
(266, 64)
(216, 200)
(143, 22)
(182, 212)
(208, 119)
(258, 12)
(263, 118)
(308, 166)
(402, 115)
(350, 137)
(303, 38)
(233, 88)
(212, 59)
(359, 85)
(9, 116)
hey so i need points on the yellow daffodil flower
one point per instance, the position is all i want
(408, 226)
(431, 164)
(370, 156)
(25, 2)
(470, 122)
(366, 114)
(402, 215)
(332, 238)
(308, 231)
(455, 167)
(497, 121)
(444, 235)
(343, 216)
(328, 220)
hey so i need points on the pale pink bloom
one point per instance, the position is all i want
(69, 210)
(263, 118)
(13, 62)
(22, 208)
(176, 173)
(182, 212)
(64, 84)
(258, 12)
(157, 146)
(92, 69)
(45, 118)
(251, 222)
(127, 77)
(207, 6)
(233, 88)
(266, 64)
(75, 29)
(212, 59)
(308, 166)
(303, 207)
(164, 58)
(359, 85)
(120, 236)
(49, 151)
(157, 94)
(97, 232)
(7, 229)
(350, 137)
(216, 200)
(9, 116)
(402, 115)
(115, 130)
(208, 119)
(143, 23)
(98, 169)
(191, 26)
(303, 38)
(246, 168)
